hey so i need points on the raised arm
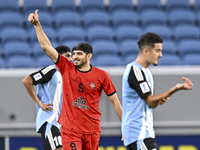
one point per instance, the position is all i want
(42, 38)
(154, 100)
(116, 104)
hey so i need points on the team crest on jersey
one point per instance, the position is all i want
(92, 85)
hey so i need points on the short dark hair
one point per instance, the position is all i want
(85, 47)
(149, 39)
(62, 49)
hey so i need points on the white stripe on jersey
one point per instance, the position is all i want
(51, 141)
(138, 73)
(143, 128)
(143, 146)
(47, 69)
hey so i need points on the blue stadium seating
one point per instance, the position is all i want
(129, 47)
(62, 5)
(9, 6)
(118, 5)
(124, 18)
(91, 5)
(128, 32)
(178, 17)
(71, 33)
(169, 47)
(169, 60)
(96, 18)
(104, 47)
(2, 63)
(100, 33)
(148, 5)
(163, 31)
(20, 62)
(65, 19)
(29, 6)
(129, 58)
(191, 59)
(186, 32)
(186, 47)
(153, 18)
(108, 60)
(11, 19)
(71, 43)
(43, 61)
(37, 50)
(16, 49)
(13, 34)
(177, 4)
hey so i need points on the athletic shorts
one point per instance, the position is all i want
(76, 141)
(53, 138)
(147, 144)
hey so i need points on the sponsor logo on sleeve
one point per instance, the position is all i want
(144, 87)
(37, 76)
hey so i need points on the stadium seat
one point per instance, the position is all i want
(191, 59)
(189, 47)
(177, 4)
(100, 33)
(128, 32)
(49, 31)
(108, 60)
(71, 33)
(96, 18)
(16, 49)
(104, 47)
(153, 18)
(148, 5)
(37, 51)
(11, 19)
(128, 47)
(180, 17)
(9, 6)
(124, 18)
(163, 31)
(169, 60)
(62, 5)
(13, 34)
(198, 18)
(71, 43)
(117, 5)
(129, 58)
(29, 6)
(186, 32)
(197, 6)
(43, 61)
(91, 5)
(65, 19)
(2, 63)
(46, 20)
(169, 47)
(20, 62)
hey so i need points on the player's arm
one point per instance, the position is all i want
(116, 104)
(153, 100)
(42, 38)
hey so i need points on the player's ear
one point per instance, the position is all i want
(89, 55)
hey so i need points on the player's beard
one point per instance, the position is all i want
(81, 62)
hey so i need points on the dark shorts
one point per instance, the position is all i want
(147, 144)
(53, 138)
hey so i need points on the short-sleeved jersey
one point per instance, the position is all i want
(137, 119)
(49, 91)
(81, 95)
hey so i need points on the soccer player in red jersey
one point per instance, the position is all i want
(82, 88)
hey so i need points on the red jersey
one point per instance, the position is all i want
(81, 94)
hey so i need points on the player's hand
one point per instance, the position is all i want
(45, 107)
(188, 85)
(34, 18)
(122, 138)
(164, 100)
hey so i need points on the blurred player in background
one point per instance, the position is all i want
(82, 88)
(48, 100)
(137, 95)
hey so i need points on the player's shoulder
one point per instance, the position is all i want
(98, 70)
(49, 68)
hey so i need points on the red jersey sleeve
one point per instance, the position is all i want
(108, 85)
(63, 63)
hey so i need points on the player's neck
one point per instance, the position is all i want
(84, 68)
(140, 60)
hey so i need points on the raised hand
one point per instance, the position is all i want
(34, 18)
(188, 85)
(164, 100)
